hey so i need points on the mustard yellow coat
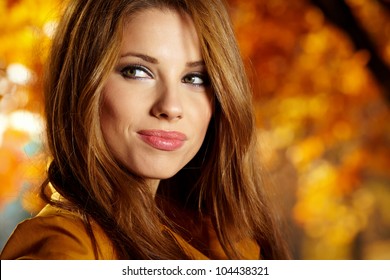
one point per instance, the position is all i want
(56, 234)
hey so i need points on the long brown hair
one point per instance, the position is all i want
(221, 182)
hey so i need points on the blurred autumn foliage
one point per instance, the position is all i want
(322, 102)
(323, 120)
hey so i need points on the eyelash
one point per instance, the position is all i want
(136, 67)
(204, 77)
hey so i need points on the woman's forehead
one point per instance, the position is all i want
(161, 33)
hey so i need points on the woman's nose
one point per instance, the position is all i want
(168, 103)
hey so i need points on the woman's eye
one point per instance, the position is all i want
(196, 80)
(136, 72)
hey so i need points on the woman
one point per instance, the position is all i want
(152, 136)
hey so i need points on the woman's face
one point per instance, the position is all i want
(157, 101)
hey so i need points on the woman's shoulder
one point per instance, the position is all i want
(56, 234)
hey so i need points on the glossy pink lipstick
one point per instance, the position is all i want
(162, 139)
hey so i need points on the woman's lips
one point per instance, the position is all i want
(163, 140)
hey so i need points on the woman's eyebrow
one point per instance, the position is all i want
(145, 57)
(154, 60)
(195, 63)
